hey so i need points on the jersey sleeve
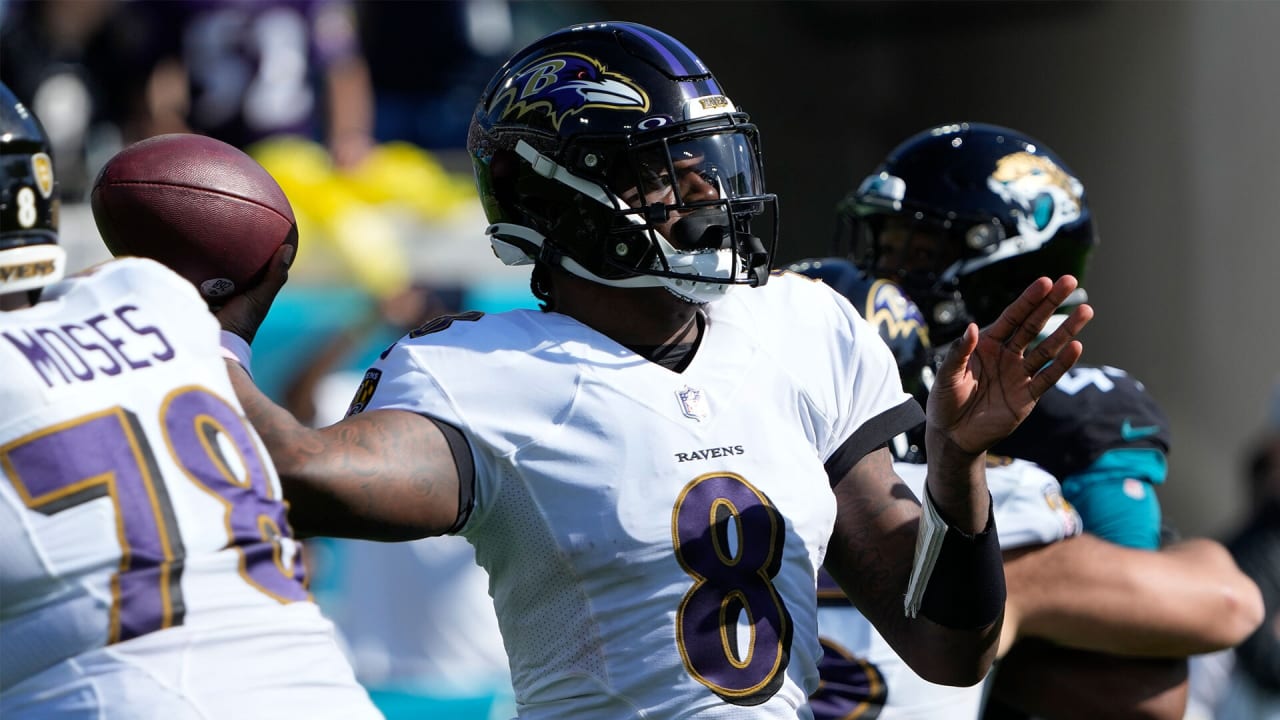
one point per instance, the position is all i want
(412, 375)
(871, 406)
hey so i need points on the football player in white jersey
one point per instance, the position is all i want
(1075, 590)
(148, 569)
(653, 466)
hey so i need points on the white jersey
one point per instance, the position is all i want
(861, 671)
(148, 569)
(652, 538)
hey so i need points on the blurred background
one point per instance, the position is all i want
(1167, 111)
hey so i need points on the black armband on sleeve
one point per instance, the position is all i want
(874, 434)
(966, 590)
(461, 451)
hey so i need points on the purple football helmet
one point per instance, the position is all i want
(611, 151)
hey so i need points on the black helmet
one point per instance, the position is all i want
(29, 254)
(901, 325)
(610, 150)
(1007, 208)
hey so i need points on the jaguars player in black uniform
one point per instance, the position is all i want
(1063, 588)
(963, 216)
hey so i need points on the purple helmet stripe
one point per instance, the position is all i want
(680, 59)
(702, 87)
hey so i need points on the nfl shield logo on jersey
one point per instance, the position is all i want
(693, 403)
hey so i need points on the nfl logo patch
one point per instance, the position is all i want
(693, 403)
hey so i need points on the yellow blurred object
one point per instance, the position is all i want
(403, 173)
(332, 215)
(371, 246)
(302, 168)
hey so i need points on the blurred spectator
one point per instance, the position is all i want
(84, 65)
(429, 61)
(1254, 691)
(246, 70)
(1244, 683)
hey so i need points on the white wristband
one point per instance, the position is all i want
(235, 348)
(933, 530)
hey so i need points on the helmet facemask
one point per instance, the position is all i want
(669, 209)
(924, 255)
(611, 151)
(689, 201)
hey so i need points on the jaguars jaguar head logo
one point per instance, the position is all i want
(1049, 197)
(564, 84)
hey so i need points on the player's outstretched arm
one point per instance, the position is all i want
(379, 475)
(1087, 593)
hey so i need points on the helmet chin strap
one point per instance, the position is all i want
(519, 245)
(715, 263)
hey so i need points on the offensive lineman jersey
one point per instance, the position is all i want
(862, 677)
(148, 569)
(653, 538)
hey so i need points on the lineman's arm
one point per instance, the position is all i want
(1087, 593)
(378, 475)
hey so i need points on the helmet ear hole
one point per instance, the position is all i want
(984, 237)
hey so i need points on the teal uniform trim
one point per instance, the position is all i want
(1116, 497)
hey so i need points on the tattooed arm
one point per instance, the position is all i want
(380, 475)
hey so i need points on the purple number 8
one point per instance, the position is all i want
(729, 537)
(194, 419)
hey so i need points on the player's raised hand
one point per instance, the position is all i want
(989, 381)
(243, 314)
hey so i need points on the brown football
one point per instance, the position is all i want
(198, 205)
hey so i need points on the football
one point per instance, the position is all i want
(196, 204)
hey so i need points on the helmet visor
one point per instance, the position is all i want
(688, 171)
